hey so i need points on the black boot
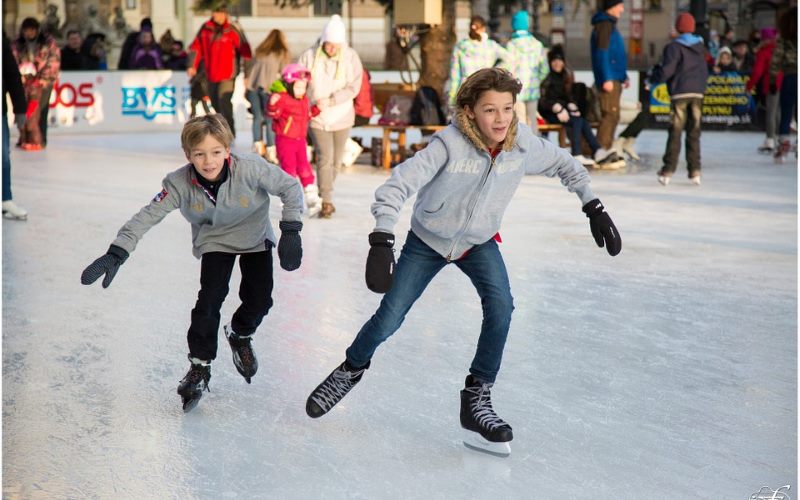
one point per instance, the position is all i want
(333, 389)
(192, 386)
(478, 416)
(243, 356)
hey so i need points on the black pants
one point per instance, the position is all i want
(255, 292)
(685, 114)
(221, 94)
(635, 127)
(43, 116)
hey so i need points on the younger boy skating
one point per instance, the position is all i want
(225, 197)
(464, 180)
(290, 111)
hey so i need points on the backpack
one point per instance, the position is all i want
(426, 108)
(396, 111)
(587, 101)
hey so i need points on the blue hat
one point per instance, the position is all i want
(520, 21)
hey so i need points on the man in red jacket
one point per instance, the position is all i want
(218, 46)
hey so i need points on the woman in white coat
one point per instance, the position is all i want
(335, 81)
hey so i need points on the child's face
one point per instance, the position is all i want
(493, 114)
(299, 87)
(724, 58)
(557, 65)
(208, 157)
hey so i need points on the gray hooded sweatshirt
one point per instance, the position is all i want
(462, 193)
(238, 223)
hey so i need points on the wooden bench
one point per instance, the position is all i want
(396, 135)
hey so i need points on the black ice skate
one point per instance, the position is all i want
(485, 431)
(243, 356)
(192, 385)
(333, 389)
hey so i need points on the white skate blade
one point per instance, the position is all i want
(475, 441)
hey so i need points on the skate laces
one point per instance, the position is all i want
(481, 404)
(244, 350)
(198, 373)
(336, 387)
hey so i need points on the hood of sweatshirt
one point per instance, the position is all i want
(603, 16)
(470, 130)
(694, 42)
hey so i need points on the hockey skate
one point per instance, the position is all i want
(312, 199)
(607, 159)
(333, 389)
(192, 385)
(243, 356)
(484, 430)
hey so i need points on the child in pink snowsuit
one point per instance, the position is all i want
(291, 111)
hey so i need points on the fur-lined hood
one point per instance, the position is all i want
(468, 128)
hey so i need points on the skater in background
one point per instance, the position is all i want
(290, 113)
(477, 161)
(335, 81)
(218, 46)
(474, 53)
(271, 56)
(12, 87)
(225, 197)
(683, 68)
(784, 60)
(39, 61)
(557, 105)
(768, 90)
(199, 93)
(527, 60)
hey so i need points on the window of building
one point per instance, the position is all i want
(240, 7)
(327, 7)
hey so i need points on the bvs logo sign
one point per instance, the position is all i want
(138, 101)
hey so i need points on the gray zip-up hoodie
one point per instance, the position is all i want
(238, 223)
(463, 192)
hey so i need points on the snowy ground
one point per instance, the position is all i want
(669, 371)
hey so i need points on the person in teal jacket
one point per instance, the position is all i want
(463, 181)
(527, 60)
(609, 65)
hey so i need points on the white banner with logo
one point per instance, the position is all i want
(127, 101)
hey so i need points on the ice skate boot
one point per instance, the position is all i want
(333, 389)
(260, 148)
(484, 430)
(768, 147)
(629, 149)
(607, 159)
(13, 211)
(243, 356)
(327, 210)
(782, 150)
(586, 162)
(271, 154)
(313, 201)
(192, 386)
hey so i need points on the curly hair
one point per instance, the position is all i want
(497, 79)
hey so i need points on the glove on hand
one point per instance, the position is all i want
(108, 264)
(290, 250)
(603, 229)
(561, 113)
(573, 109)
(380, 262)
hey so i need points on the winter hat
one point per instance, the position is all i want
(146, 24)
(685, 23)
(607, 4)
(293, 72)
(556, 52)
(334, 31)
(768, 33)
(520, 21)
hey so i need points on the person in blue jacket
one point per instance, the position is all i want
(609, 65)
(683, 67)
(463, 180)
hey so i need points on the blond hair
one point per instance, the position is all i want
(196, 129)
(497, 79)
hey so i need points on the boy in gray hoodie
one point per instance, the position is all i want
(225, 197)
(464, 180)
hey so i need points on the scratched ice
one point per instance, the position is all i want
(666, 372)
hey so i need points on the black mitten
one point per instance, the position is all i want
(603, 228)
(108, 264)
(380, 262)
(290, 249)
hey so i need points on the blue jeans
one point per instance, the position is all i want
(6, 161)
(788, 102)
(417, 266)
(581, 128)
(258, 103)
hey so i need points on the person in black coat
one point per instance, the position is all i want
(130, 42)
(71, 57)
(12, 86)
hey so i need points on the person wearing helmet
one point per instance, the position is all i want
(291, 112)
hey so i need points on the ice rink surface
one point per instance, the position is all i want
(669, 371)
